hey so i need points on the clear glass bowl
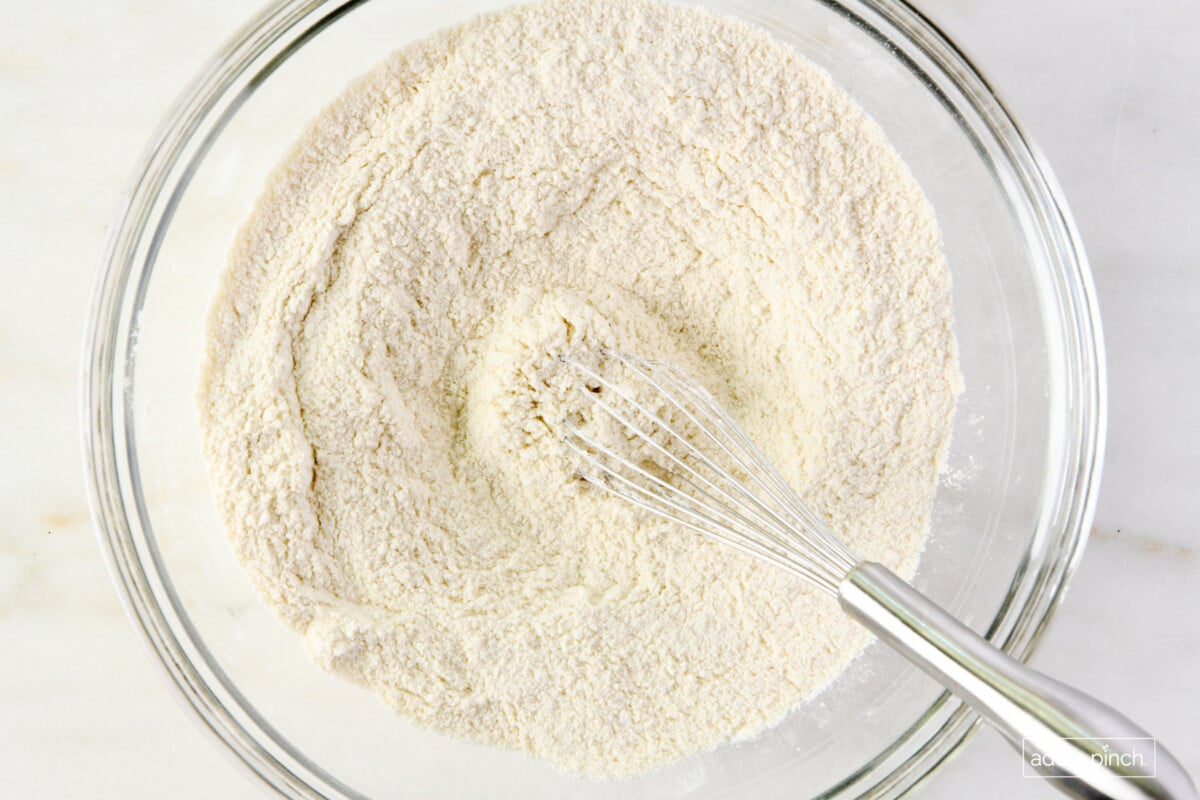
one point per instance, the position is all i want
(1010, 518)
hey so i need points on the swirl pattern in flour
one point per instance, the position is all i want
(381, 390)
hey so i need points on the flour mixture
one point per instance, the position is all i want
(378, 396)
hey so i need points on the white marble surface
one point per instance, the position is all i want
(1110, 90)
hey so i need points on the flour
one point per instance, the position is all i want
(380, 394)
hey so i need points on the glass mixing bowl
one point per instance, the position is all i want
(1011, 513)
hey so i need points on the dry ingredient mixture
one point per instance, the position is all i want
(381, 387)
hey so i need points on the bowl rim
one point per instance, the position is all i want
(132, 557)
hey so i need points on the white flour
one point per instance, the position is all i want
(547, 180)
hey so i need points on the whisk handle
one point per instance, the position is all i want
(1089, 748)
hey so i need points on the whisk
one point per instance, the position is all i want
(677, 454)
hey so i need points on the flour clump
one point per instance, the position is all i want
(383, 383)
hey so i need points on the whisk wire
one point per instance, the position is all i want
(751, 459)
(680, 513)
(759, 513)
(697, 491)
(831, 552)
(667, 492)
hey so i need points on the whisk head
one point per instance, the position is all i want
(678, 454)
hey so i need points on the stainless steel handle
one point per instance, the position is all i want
(1058, 728)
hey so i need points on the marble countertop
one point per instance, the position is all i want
(1109, 89)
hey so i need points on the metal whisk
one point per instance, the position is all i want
(666, 445)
